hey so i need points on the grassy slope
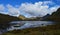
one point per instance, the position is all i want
(52, 32)
(5, 19)
(55, 16)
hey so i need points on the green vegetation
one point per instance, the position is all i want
(5, 19)
(55, 16)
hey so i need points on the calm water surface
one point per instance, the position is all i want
(26, 24)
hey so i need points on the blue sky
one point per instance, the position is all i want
(18, 2)
(22, 6)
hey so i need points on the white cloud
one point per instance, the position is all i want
(53, 9)
(49, 2)
(2, 7)
(38, 8)
(29, 9)
(12, 10)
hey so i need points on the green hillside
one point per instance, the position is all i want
(5, 19)
(55, 16)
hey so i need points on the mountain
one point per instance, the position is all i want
(22, 17)
(55, 16)
(57, 13)
(5, 19)
(29, 19)
(45, 18)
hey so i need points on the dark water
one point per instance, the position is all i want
(26, 24)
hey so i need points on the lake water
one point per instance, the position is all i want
(27, 24)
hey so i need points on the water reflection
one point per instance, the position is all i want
(15, 25)
(28, 24)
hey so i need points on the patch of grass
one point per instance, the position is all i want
(52, 32)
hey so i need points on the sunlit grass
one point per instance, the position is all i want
(51, 32)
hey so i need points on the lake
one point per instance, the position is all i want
(28, 24)
(15, 25)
